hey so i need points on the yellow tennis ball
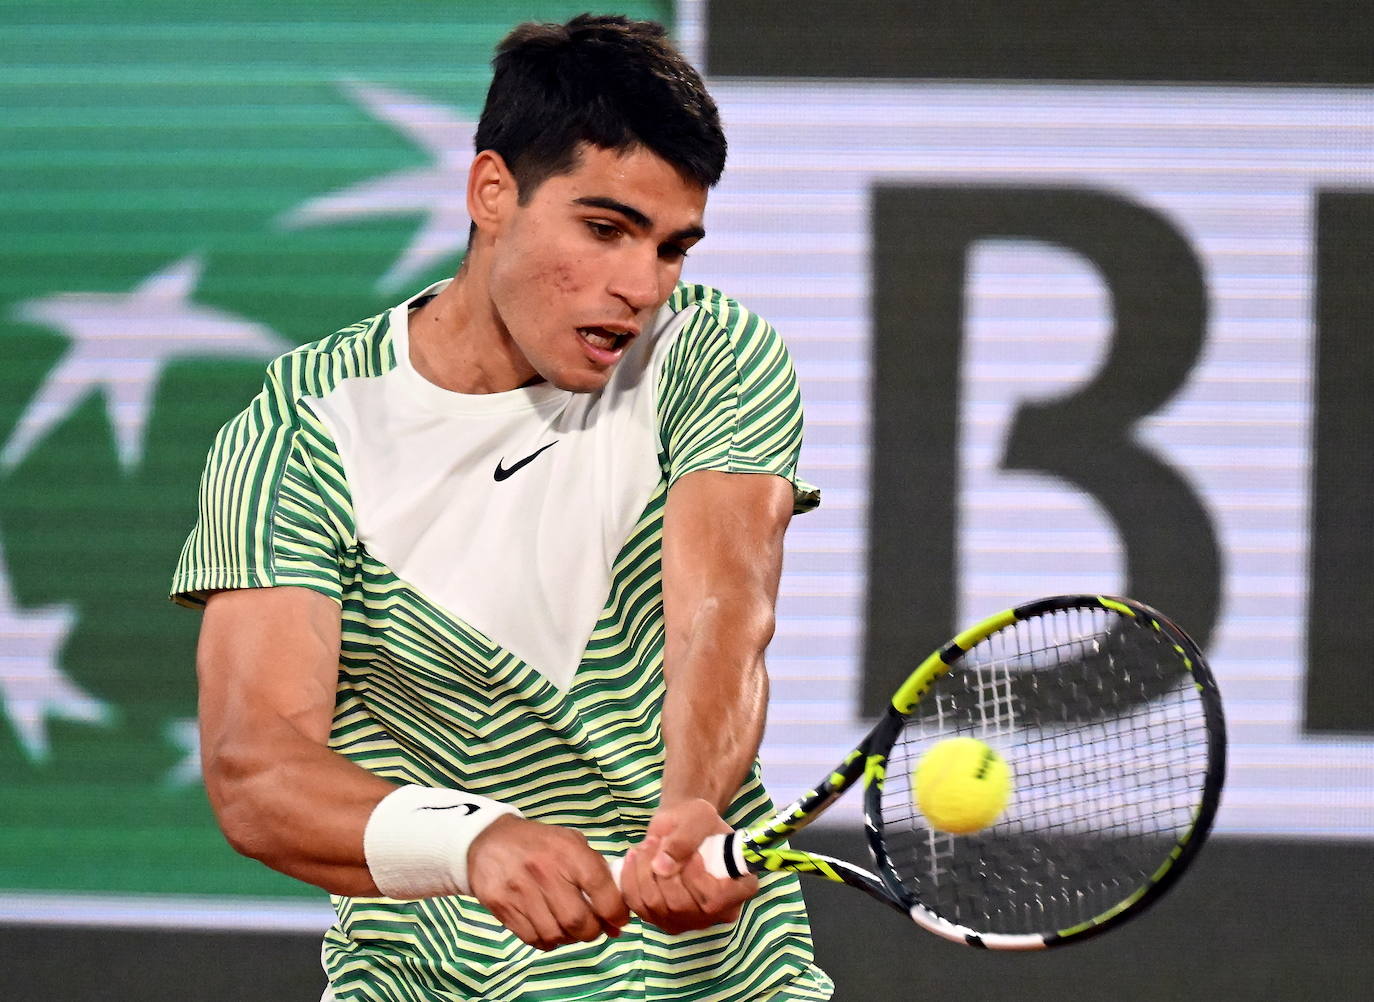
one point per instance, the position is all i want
(961, 785)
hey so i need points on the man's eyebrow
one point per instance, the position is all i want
(637, 217)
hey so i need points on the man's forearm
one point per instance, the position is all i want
(296, 806)
(316, 816)
(717, 698)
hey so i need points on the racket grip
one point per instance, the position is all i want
(713, 852)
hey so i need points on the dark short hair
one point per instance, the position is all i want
(599, 79)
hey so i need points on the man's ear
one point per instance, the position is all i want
(492, 192)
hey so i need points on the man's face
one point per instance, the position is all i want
(580, 270)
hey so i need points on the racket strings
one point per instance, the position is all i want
(1097, 715)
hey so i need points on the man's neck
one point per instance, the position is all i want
(457, 341)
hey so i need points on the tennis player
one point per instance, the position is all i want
(488, 578)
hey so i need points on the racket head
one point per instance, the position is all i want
(1111, 722)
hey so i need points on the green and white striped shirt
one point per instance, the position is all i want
(497, 562)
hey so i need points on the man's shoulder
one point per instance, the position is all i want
(313, 369)
(716, 322)
(714, 307)
(316, 369)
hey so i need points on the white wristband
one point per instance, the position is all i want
(417, 840)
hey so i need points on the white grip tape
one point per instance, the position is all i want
(712, 852)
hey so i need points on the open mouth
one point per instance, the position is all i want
(603, 345)
(599, 337)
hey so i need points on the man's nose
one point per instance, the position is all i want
(635, 281)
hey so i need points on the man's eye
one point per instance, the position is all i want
(672, 252)
(603, 231)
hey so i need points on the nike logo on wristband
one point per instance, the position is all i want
(502, 472)
(468, 809)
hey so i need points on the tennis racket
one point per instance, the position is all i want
(1112, 725)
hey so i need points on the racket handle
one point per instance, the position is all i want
(713, 853)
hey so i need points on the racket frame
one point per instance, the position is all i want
(753, 848)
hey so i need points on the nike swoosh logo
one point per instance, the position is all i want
(502, 472)
(467, 808)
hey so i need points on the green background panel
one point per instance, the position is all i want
(132, 137)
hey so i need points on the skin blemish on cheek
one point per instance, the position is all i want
(564, 279)
(560, 277)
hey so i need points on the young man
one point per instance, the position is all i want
(488, 578)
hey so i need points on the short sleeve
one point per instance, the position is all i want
(728, 400)
(274, 506)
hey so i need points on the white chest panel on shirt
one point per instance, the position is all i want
(506, 510)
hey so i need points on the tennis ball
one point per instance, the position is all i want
(961, 785)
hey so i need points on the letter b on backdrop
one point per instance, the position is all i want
(1086, 439)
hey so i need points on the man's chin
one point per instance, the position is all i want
(580, 382)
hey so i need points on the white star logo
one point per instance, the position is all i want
(119, 344)
(32, 686)
(438, 192)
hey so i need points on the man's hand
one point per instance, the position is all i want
(664, 880)
(544, 883)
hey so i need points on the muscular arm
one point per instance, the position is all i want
(722, 558)
(268, 664)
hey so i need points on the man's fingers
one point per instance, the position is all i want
(680, 831)
(572, 911)
(675, 848)
(601, 892)
(526, 896)
(717, 899)
(548, 931)
(550, 884)
(691, 900)
(516, 922)
(659, 859)
(681, 904)
(707, 892)
(641, 890)
(669, 845)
